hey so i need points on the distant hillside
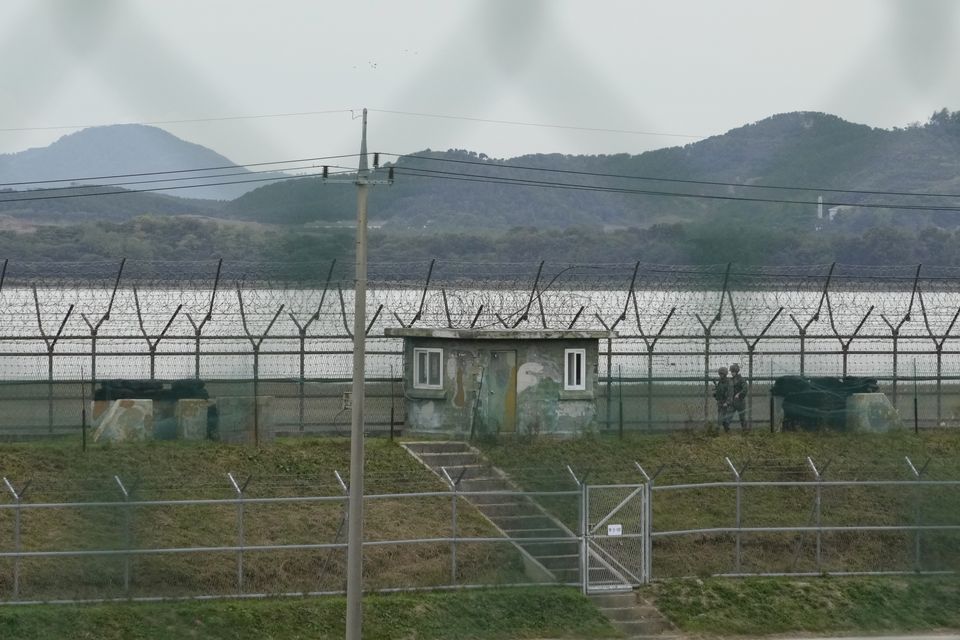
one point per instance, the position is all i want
(807, 150)
(123, 150)
(463, 205)
(58, 206)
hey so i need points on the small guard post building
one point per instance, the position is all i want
(473, 382)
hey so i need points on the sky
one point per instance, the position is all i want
(272, 81)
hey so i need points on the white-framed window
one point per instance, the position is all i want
(575, 369)
(428, 368)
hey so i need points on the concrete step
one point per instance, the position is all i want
(449, 458)
(507, 506)
(616, 600)
(438, 446)
(534, 520)
(471, 471)
(499, 499)
(483, 484)
(537, 549)
(635, 618)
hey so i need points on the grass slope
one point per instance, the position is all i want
(481, 615)
(58, 471)
(758, 606)
(540, 464)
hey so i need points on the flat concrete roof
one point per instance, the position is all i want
(497, 334)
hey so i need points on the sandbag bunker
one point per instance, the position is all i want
(849, 403)
(135, 410)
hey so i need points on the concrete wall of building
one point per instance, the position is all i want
(478, 397)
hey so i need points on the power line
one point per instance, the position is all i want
(155, 189)
(537, 124)
(176, 171)
(466, 177)
(676, 180)
(199, 177)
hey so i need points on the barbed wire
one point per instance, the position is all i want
(221, 309)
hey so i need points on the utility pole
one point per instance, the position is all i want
(355, 504)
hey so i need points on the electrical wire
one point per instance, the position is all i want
(461, 176)
(155, 189)
(175, 171)
(675, 180)
(344, 170)
(466, 177)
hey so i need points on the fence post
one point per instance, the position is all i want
(917, 475)
(584, 527)
(18, 498)
(895, 332)
(240, 528)
(343, 523)
(609, 373)
(738, 475)
(817, 505)
(651, 344)
(938, 344)
(845, 344)
(454, 486)
(51, 343)
(126, 534)
(198, 327)
(255, 343)
(648, 522)
(706, 367)
(802, 331)
(153, 343)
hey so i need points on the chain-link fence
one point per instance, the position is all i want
(282, 333)
(109, 538)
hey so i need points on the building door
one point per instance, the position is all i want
(502, 392)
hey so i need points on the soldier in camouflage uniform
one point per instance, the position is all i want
(738, 387)
(723, 394)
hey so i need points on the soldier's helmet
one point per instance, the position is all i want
(722, 371)
(734, 368)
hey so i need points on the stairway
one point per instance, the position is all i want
(636, 618)
(517, 517)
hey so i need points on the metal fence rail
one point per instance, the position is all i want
(127, 547)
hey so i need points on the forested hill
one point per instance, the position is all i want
(86, 156)
(815, 152)
(464, 205)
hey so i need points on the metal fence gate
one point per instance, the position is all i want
(614, 544)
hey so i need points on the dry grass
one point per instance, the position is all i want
(169, 471)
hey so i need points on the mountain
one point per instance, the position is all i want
(749, 196)
(809, 153)
(86, 156)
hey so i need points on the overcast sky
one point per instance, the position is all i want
(660, 73)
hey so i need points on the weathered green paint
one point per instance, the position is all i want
(540, 406)
(498, 382)
(501, 400)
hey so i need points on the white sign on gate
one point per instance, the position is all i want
(614, 529)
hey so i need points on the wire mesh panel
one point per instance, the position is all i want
(614, 546)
